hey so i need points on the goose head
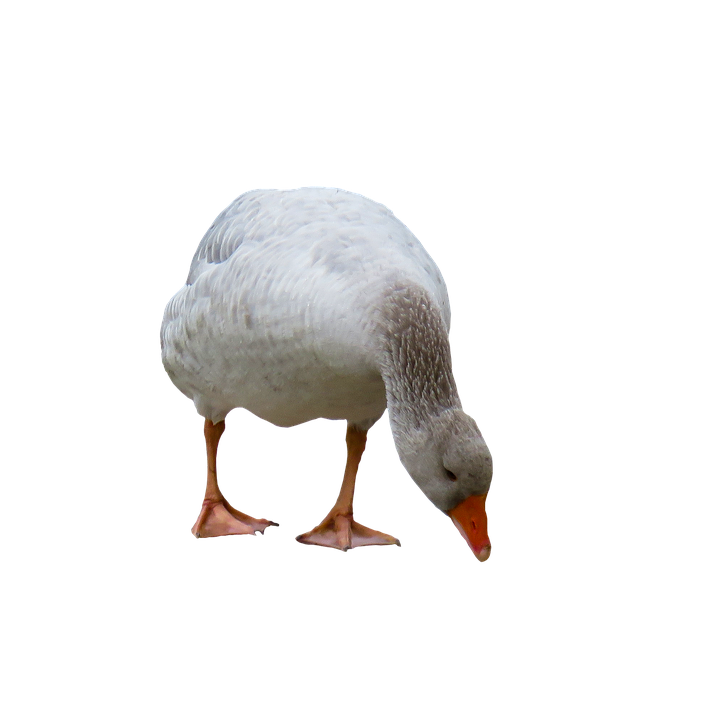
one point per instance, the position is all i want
(448, 459)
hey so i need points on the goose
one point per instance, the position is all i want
(319, 303)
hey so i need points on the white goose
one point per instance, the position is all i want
(314, 303)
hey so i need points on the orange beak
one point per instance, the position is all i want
(472, 522)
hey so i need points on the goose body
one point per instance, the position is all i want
(318, 302)
(280, 305)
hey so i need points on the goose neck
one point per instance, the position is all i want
(415, 359)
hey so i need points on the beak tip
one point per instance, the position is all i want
(484, 553)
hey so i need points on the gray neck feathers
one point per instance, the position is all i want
(415, 358)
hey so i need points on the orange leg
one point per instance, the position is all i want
(339, 530)
(217, 516)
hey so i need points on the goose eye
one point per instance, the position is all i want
(451, 476)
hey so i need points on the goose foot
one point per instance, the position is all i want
(340, 531)
(218, 517)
